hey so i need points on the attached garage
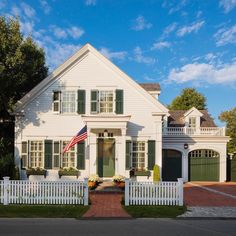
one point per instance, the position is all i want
(171, 165)
(204, 165)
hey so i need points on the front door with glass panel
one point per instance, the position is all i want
(106, 157)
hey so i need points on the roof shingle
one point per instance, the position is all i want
(176, 119)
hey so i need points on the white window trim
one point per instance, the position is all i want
(99, 101)
(145, 152)
(61, 103)
(29, 153)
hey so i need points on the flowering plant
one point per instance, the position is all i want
(94, 178)
(118, 178)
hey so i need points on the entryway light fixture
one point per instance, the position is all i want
(185, 146)
(105, 133)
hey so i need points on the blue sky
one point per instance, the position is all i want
(178, 43)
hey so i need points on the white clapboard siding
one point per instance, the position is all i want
(44, 192)
(148, 193)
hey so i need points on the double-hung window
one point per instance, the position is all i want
(36, 153)
(138, 152)
(69, 102)
(192, 122)
(102, 101)
(56, 101)
(68, 158)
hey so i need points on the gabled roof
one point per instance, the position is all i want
(176, 119)
(151, 86)
(193, 110)
(79, 55)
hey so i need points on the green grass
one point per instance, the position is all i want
(155, 211)
(45, 211)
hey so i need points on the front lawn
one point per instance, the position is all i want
(45, 211)
(155, 211)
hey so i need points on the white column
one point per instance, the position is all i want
(223, 160)
(181, 191)
(92, 154)
(85, 191)
(185, 166)
(158, 131)
(121, 155)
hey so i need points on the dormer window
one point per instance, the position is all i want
(192, 122)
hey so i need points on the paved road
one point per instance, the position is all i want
(44, 227)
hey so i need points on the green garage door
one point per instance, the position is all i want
(203, 165)
(171, 165)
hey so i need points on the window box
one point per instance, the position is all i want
(142, 173)
(68, 172)
(36, 171)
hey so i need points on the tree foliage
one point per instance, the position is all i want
(188, 98)
(230, 118)
(22, 65)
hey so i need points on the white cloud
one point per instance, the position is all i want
(174, 6)
(61, 33)
(140, 58)
(15, 11)
(228, 5)
(204, 73)
(226, 36)
(27, 27)
(189, 29)
(140, 23)
(113, 55)
(90, 2)
(210, 56)
(161, 45)
(169, 29)
(45, 6)
(75, 32)
(58, 32)
(28, 10)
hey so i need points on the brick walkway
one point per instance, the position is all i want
(197, 196)
(106, 205)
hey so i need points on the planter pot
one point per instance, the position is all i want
(36, 172)
(92, 185)
(121, 185)
(68, 173)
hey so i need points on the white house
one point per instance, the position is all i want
(127, 127)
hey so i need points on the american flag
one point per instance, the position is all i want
(82, 135)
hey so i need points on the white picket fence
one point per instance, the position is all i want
(149, 193)
(43, 192)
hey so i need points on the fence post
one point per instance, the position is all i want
(85, 191)
(127, 192)
(181, 190)
(6, 190)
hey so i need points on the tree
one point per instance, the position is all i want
(22, 65)
(230, 118)
(188, 98)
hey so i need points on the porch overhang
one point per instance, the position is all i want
(118, 122)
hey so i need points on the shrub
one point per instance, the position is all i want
(7, 166)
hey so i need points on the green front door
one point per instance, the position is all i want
(106, 157)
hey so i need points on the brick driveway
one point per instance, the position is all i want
(210, 194)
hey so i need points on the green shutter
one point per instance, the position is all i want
(81, 155)
(128, 152)
(48, 154)
(81, 102)
(94, 101)
(119, 101)
(151, 154)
